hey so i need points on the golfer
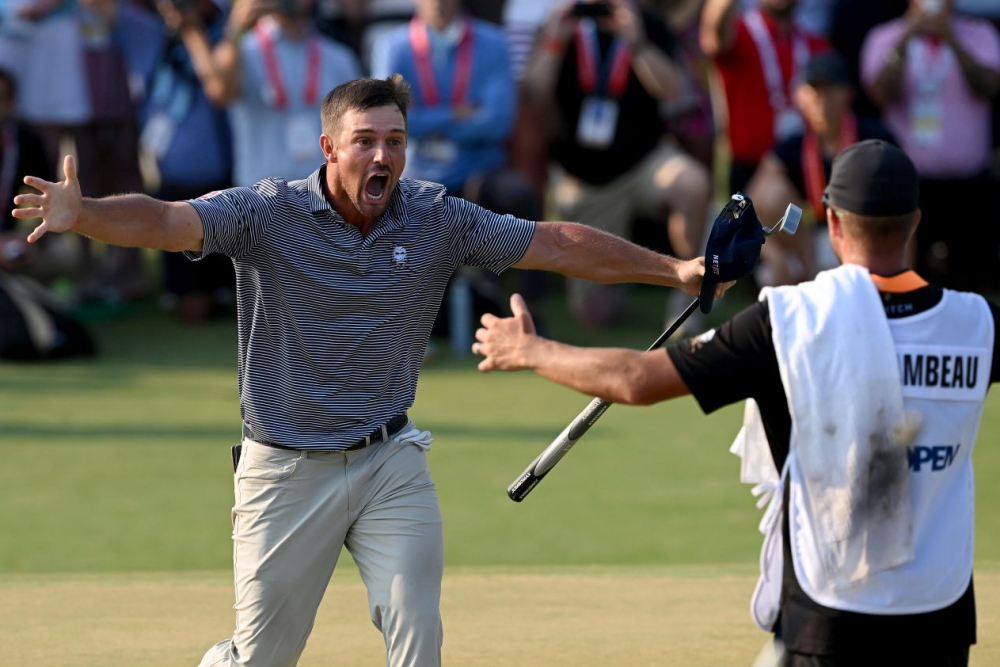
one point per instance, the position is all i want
(867, 388)
(339, 278)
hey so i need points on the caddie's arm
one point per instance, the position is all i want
(580, 251)
(614, 374)
(134, 221)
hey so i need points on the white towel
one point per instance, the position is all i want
(415, 436)
(849, 431)
(757, 468)
(756, 462)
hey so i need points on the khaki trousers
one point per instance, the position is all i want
(293, 513)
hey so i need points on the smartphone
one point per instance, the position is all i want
(591, 9)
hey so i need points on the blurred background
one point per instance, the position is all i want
(118, 397)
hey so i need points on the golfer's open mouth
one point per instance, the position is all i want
(376, 188)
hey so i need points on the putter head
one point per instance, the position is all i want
(789, 223)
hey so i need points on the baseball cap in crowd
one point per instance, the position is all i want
(827, 69)
(874, 178)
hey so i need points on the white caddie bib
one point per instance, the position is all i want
(944, 357)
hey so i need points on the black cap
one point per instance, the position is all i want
(873, 178)
(827, 69)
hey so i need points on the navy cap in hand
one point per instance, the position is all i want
(733, 247)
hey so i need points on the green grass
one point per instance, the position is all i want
(122, 463)
(639, 549)
(692, 616)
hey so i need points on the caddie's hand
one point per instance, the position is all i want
(58, 205)
(506, 342)
(690, 274)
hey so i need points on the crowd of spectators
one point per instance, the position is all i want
(615, 113)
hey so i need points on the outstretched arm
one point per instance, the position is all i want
(580, 251)
(124, 220)
(614, 374)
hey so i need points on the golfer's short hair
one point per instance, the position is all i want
(879, 232)
(361, 95)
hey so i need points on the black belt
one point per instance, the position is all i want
(381, 434)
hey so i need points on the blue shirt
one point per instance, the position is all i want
(474, 145)
(199, 152)
(262, 132)
(332, 324)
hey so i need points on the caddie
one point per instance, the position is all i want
(866, 389)
(339, 278)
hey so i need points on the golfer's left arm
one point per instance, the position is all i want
(614, 374)
(580, 251)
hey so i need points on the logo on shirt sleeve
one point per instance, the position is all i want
(700, 341)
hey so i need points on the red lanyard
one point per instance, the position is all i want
(612, 74)
(310, 95)
(421, 43)
(812, 160)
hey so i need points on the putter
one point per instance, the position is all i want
(551, 455)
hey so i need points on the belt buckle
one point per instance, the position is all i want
(384, 432)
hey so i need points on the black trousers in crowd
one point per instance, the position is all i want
(958, 239)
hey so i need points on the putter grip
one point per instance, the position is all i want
(551, 455)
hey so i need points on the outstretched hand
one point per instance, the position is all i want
(690, 275)
(506, 341)
(58, 205)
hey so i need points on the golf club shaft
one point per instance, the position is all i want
(551, 455)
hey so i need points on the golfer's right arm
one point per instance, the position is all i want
(134, 221)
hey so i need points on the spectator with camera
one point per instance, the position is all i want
(34, 324)
(185, 139)
(605, 68)
(759, 55)
(797, 170)
(934, 73)
(273, 69)
(464, 97)
(462, 115)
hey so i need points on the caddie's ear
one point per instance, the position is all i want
(833, 222)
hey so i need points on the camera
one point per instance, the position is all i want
(591, 9)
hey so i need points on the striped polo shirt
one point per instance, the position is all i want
(332, 324)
